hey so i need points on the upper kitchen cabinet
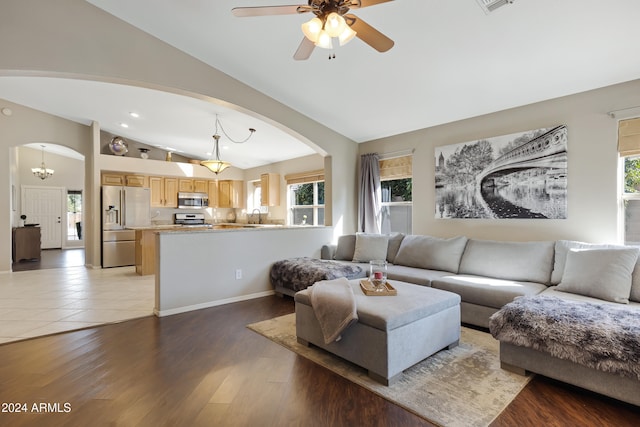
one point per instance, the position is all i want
(230, 194)
(270, 189)
(112, 179)
(135, 180)
(123, 179)
(193, 185)
(212, 190)
(164, 192)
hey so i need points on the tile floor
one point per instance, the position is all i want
(41, 302)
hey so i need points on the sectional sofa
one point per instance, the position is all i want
(502, 284)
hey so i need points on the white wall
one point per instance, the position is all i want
(198, 269)
(592, 166)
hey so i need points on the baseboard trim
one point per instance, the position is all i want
(185, 309)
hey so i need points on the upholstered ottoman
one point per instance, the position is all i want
(392, 332)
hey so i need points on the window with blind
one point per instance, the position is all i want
(396, 190)
(305, 198)
(629, 150)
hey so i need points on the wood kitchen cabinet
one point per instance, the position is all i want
(193, 185)
(164, 192)
(112, 179)
(25, 243)
(213, 193)
(230, 194)
(270, 189)
(135, 180)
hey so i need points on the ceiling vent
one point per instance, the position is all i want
(490, 5)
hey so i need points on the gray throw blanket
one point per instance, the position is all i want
(334, 305)
(600, 336)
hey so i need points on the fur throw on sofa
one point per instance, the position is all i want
(299, 273)
(600, 336)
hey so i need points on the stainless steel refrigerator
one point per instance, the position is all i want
(122, 207)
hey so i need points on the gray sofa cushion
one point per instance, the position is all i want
(520, 261)
(418, 276)
(562, 248)
(346, 247)
(600, 273)
(486, 291)
(394, 244)
(431, 253)
(370, 247)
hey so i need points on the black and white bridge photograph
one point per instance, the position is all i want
(521, 175)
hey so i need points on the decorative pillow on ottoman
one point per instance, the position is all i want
(600, 273)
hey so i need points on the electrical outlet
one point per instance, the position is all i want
(238, 274)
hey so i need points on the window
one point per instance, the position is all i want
(629, 149)
(74, 215)
(254, 199)
(397, 200)
(305, 198)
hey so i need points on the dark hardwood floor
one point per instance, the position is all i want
(205, 368)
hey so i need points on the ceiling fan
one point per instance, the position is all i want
(331, 21)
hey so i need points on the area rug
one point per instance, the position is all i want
(463, 386)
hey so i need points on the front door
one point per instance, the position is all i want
(43, 205)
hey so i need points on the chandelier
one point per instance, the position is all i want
(216, 165)
(42, 172)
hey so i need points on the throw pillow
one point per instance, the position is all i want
(394, 245)
(562, 248)
(370, 247)
(600, 273)
(345, 248)
(431, 253)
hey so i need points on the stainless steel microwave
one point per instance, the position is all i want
(193, 200)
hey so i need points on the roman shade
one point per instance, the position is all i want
(629, 137)
(396, 168)
(304, 177)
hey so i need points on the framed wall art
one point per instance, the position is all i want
(522, 175)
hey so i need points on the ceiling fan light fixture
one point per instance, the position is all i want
(311, 29)
(334, 24)
(324, 40)
(346, 36)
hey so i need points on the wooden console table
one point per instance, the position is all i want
(26, 243)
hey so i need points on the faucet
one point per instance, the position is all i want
(259, 216)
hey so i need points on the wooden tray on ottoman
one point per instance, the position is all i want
(368, 289)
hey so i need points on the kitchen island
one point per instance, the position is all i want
(198, 268)
(145, 241)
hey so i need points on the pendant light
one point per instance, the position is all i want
(42, 172)
(216, 165)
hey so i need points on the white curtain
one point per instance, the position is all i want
(370, 201)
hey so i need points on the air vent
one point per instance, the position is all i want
(490, 5)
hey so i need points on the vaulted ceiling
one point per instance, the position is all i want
(451, 61)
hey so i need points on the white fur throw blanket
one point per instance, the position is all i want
(600, 336)
(334, 305)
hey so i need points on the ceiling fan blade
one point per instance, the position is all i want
(369, 35)
(366, 3)
(304, 50)
(242, 12)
